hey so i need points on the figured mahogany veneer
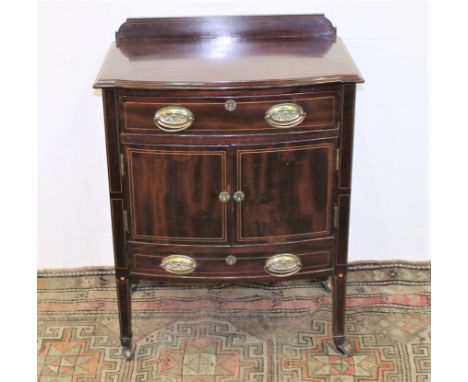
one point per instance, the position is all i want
(213, 267)
(322, 109)
(229, 147)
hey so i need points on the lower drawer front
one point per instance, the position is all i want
(229, 267)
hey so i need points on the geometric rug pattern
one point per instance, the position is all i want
(250, 332)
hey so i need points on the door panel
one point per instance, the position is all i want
(288, 192)
(174, 195)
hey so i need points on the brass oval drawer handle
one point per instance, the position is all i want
(285, 115)
(179, 264)
(282, 265)
(173, 118)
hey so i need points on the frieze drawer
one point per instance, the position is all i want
(312, 111)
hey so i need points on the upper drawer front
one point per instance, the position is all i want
(318, 110)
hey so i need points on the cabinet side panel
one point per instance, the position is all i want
(115, 179)
(112, 140)
(118, 233)
(346, 146)
(344, 173)
(343, 229)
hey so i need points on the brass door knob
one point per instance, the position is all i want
(179, 264)
(173, 118)
(285, 115)
(224, 196)
(238, 196)
(282, 265)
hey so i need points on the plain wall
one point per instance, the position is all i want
(388, 41)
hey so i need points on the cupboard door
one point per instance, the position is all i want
(287, 192)
(174, 195)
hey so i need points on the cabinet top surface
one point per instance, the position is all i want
(226, 52)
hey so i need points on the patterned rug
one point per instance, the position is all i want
(279, 332)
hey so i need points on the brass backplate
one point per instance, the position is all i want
(173, 118)
(285, 115)
(282, 265)
(179, 264)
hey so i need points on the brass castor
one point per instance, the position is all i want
(341, 346)
(128, 355)
(327, 284)
(135, 284)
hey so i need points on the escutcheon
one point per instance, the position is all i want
(282, 265)
(230, 260)
(179, 264)
(230, 105)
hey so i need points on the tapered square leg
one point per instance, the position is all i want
(125, 311)
(339, 307)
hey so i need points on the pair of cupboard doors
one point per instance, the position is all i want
(231, 195)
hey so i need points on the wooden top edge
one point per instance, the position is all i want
(150, 85)
(201, 27)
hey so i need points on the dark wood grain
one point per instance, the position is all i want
(252, 70)
(347, 115)
(247, 268)
(242, 27)
(322, 110)
(227, 52)
(318, 261)
(272, 136)
(339, 304)
(297, 195)
(109, 99)
(194, 92)
(288, 191)
(174, 194)
(118, 233)
(222, 250)
(344, 206)
(125, 305)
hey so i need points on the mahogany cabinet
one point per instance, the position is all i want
(229, 147)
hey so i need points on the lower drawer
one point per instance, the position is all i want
(233, 267)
